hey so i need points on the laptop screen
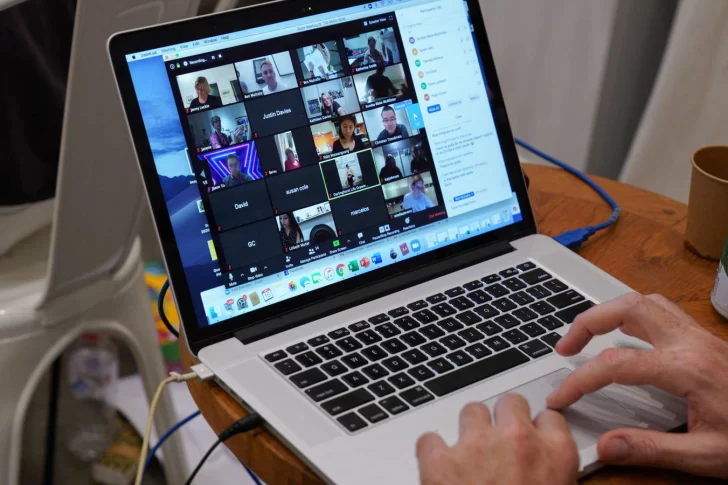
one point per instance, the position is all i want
(298, 155)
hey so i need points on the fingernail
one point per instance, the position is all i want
(615, 450)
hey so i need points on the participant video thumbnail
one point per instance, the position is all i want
(301, 188)
(401, 159)
(250, 244)
(411, 194)
(346, 134)
(314, 224)
(286, 151)
(383, 86)
(377, 48)
(220, 128)
(330, 99)
(276, 114)
(209, 89)
(266, 75)
(358, 211)
(233, 166)
(388, 124)
(349, 173)
(320, 61)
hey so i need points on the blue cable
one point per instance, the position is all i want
(166, 435)
(575, 238)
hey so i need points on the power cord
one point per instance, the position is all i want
(160, 309)
(575, 238)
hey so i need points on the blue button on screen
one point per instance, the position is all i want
(434, 108)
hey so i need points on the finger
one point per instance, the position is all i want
(432, 459)
(474, 419)
(555, 430)
(699, 453)
(429, 444)
(622, 366)
(512, 409)
(551, 422)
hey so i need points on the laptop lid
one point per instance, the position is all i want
(304, 158)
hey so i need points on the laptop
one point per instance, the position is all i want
(348, 232)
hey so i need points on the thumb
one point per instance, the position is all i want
(698, 453)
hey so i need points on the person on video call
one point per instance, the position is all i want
(374, 56)
(330, 107)
(504, 445)
(390, 169)
(291, 162)
(349, 176)
(236, 177)
(204, 98)
(290, 232)
(420, 163)
(347, 139)
(272, 85)
(391, 127)
(380, 86)
(416, 200)
(318, 59)
(218, 139)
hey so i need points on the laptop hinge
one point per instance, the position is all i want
(371, 292)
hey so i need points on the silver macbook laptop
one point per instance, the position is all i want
(347, 229)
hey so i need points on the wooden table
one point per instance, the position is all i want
(644, 250)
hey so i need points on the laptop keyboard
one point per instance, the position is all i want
(375, 369)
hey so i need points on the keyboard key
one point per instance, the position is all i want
(433, 349)
(479, 297)
(381, 388)
(394, 346)
(443, 309)
(334, 368)
(339, 333)
(489, 328)
(421, 373)
(316, 341)
(308, 378)
(452, 342)
(550, 322)
(507, 321)
(506, 273)
(473, 285)
(354, 360)
(567, 298)
(432, 331)
(395, 364)
(355, 379)
(486, 311)
(401, 380)
(515, 336)
(326, 390)
(527, 266)
(532, 329)
(406, 323)
(551, 338)
(497, 343)
(417, 305)
(425, 316)
(369, 337)
(522, 298)
(348, 344)
(538, 292)
(497, 290)
(470, 335)
(416, 396)
(514, 284)
(468, 318)
(358, 326)
(398, 312)
(535, 276)
(375, 371)
(287, 367)
(504, 305)
(453, 292)
(450, 325)
(476, 372)
(535, 348)
(352, 422)
(440, 365)
(387, 330)
(571, 313)
(525, 314)
(373, 413)
(478, 351)
(377, 319)
(298, 348)
(394, 405)
(414, 356)
(329, 351)
(374, 353)
(348, 401)
(436, 298)
(308, 359)
(542, 308)
(413, 339)
(490, 279)
(555, 285)
(459, 358)
(462, 303)
(275, 356)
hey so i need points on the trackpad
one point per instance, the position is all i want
(598, 412)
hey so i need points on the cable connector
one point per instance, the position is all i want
(575, 238)
(203, 372)
(246, 423)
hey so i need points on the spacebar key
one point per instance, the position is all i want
(476, 372)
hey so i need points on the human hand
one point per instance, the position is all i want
(514, 449)
(687, 361)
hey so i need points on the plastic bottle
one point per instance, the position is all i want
(93, 373)
(720, 291)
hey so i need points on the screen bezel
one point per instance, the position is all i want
(199, 336)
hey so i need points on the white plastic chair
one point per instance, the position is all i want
(84, 273)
